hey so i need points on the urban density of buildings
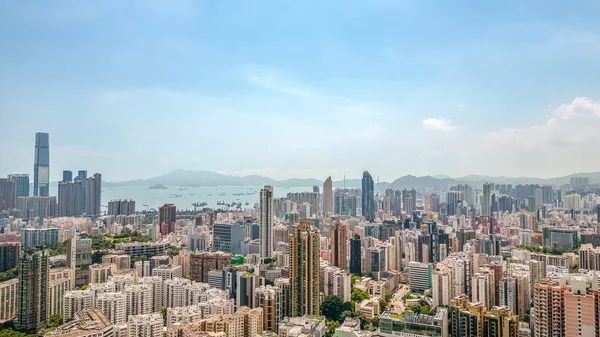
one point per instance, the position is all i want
(471, 259)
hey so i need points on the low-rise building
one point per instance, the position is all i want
(306, 326)
(90, 322)
(369, 307)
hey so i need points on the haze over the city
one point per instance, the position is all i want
(302, 89)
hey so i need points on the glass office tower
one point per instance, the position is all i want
(41, 167)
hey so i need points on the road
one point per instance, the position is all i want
(397, 304)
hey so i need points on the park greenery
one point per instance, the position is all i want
(9, 274)
(106, 242)
(60, 249)
(545, 250)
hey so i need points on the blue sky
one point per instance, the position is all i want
(302, 88)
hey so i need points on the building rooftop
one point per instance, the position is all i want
(89, 321)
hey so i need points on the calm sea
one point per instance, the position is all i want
(184, 197)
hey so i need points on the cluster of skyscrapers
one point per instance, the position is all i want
(77, 196)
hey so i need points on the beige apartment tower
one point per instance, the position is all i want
(304, 269)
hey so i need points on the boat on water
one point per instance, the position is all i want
(191, 193)
(209, 194)
(222, 194)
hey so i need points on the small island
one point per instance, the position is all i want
(158, 187)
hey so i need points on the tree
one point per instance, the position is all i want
(382, 304)
(9, 274)
(174, 251)
(359, 295)
(332, 308)
(525, 317)
(330, 328)
(375, 321)
(54, 321)
(388, 296)
(97, 256)
(354, 278)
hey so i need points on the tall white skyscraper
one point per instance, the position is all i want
(266, 221)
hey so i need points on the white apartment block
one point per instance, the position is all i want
(335, 281)
(173, 294)
(122, 281)
(184, 314)
(139, 299)
(157, 290)
(112, 306)
(75, 301)
(102, 288)
(149, 325)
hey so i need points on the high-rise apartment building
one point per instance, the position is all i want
(82, 177)
(466, 319)
(486, 199)
(148, 325)
(304, 269)
(32, 291)
(339, 245)
(328, 196)
(549, 307)
(8, 299)
(93, 197)
(265, 218)
(355, 255)
(501, 322)
(41, 165)
(69, 198)
(32, 207)
(203, 262)
(270, 299)
(121, 207)
(59, 283)
(8, 194)
(75, 301)
(9, 255)
(33, 237)
(567, 307)
(22, 184)
(368, 197)
(409, 200)
(167, 215)
(434, 203)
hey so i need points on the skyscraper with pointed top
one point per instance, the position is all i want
(368, 197)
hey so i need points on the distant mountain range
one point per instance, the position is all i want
(438, 182)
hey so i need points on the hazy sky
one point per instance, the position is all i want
(134, 89)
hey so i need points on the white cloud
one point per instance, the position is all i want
(567, 141)
(443, 124)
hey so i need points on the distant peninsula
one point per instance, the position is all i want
(158, 187)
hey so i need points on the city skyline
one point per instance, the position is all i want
(396, 80)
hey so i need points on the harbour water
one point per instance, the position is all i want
(184, 197)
